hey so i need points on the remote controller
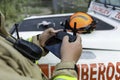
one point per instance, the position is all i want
(54, 43)
(61, 34)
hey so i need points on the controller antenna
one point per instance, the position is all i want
(74, 29)
(66, 26)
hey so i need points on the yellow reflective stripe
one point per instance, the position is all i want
(63, 77)
(36, 62)
(29, 39)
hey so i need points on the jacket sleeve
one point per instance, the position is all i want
(16, 69)
(65, 71)
(8, 72)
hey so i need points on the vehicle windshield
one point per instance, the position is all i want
(110, 2)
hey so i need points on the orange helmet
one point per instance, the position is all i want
(83, 22)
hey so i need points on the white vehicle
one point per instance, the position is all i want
(100, 58)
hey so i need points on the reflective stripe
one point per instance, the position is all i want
(36, 62)
(63, 77)
(29, 39)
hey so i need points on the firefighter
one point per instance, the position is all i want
(16, 66)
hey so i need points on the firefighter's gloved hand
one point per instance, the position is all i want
(71, 51)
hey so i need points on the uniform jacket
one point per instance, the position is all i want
(14, 66)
